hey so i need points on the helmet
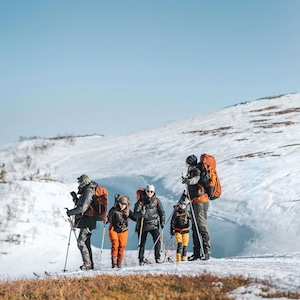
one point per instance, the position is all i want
(83, 181)
(191, 160)
(183, 201)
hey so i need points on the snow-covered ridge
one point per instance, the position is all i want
(256, 145)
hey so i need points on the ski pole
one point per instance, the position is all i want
(102, 243)
(195, 221)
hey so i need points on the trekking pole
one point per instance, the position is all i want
(67, 250)
(140, 233)
(195, 221)
(102, 243)
(162, 246)
(167, 256)
(72, 226)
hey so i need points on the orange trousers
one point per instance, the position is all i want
(118, 243)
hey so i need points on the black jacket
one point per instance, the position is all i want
(82, 205)
(152, 212)
(118, 218)
(180, 221)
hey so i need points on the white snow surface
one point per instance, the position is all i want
(254, 225)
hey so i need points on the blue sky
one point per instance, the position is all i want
(117, 67)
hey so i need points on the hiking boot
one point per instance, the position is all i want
(205, 257)
(119, 264)
(142, 263)
(114, 262)
(178, 257)
(194, 257)
(86, 267)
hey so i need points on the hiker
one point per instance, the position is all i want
(151, 216)
(179, 227)
(199, 204)
(84, 219)
(118, 228)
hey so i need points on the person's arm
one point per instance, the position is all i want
(84, 204)
(161, 213)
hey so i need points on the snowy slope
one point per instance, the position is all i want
(256, 145)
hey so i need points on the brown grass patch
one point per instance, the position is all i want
(277, 124)
(259, 121)
(257, 154)
(146, 287)
(282, 112)
(272, 97)
(211, 131)
(265, 108)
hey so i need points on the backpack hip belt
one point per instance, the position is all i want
(201, 199)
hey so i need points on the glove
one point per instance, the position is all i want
(186, 180)
(172, 232)
(74, 196)
(162, 225)
(68, 213)
(183, 197)
(143, 210)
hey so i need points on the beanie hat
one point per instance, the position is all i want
(150, 187)
(191, 160)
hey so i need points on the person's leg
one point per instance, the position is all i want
(114, 239)
(142, 247)
(84, 234)
(123, 236)
(185, 242)
(88, 244)
(203, 228)
(178, 236)
(155, 235)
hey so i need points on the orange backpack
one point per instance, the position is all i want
(208, 168)
(139, 193)
(100, 202)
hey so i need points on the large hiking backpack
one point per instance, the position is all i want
(100, 202)
(139, 193)
(209, 176)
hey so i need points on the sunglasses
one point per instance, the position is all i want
(150, 191)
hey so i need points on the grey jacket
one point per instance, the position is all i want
(82, 205)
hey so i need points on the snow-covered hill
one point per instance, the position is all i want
(256, 145)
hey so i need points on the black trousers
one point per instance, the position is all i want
(155, 234)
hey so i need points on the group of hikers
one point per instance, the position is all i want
(149, 215)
